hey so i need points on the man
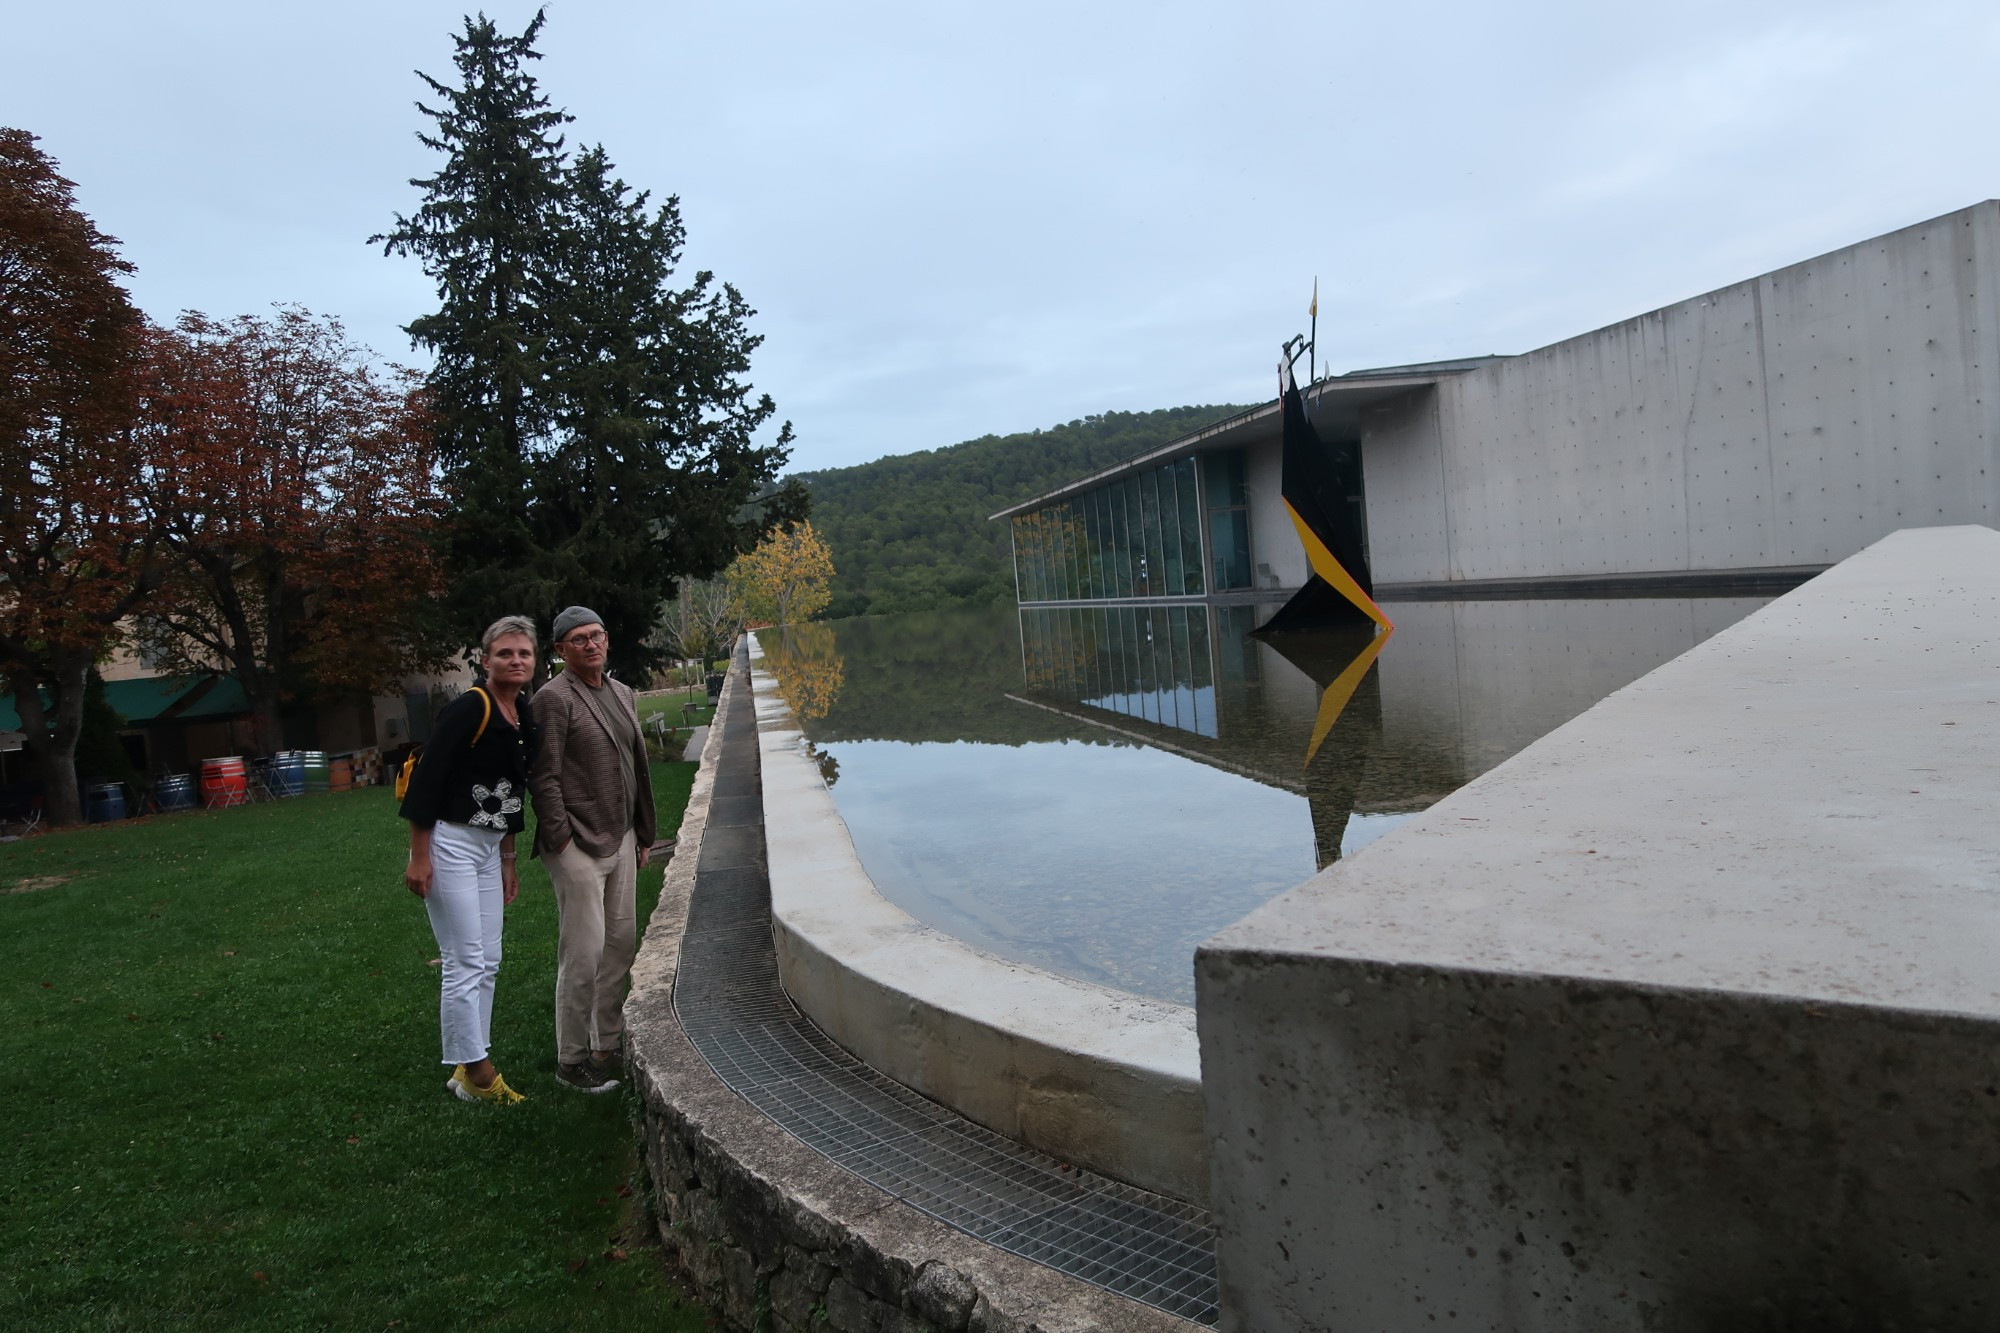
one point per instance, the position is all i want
(594, 822)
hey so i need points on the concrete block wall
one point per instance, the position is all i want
(1684, 1018)
(1788, 420)
(1274, 542)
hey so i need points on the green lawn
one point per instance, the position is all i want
(223, 1106)
(670, 704)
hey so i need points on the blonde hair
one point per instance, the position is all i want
(501, 628)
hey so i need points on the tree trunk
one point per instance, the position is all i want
(52, 733)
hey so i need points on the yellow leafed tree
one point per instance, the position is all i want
(787, 579)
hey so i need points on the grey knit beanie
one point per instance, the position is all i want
(573, 617)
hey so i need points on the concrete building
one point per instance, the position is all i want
(1754, 434)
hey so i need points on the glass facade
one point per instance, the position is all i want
(1138, 536)
(1149, 662)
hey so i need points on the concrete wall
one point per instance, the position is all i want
(1402, 471)
(1788, 420)
(1684, 1018)
(1273, 539)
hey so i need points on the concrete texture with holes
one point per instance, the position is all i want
(1687, 1017)
(798, 1188)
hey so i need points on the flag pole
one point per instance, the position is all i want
(1312, 356)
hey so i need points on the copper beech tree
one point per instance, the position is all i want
(294, 492)
(76, 548)
(253, 495)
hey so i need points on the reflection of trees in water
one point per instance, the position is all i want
(1054, 658)
(808, 667)
(935, 676)
(1049, 544)
(829, 767)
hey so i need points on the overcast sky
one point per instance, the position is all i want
(958, 219)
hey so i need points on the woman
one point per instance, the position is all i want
(464, 806)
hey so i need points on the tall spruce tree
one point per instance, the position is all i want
(597, 426)
(659, 476)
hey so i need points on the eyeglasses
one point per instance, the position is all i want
(590, 640)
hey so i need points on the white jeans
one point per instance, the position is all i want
(465, 907)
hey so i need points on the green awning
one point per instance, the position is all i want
(157, 699)
(10, 716)
(210, 696)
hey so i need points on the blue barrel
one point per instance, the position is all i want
(174, 791)
(288, 773)
(103, 802)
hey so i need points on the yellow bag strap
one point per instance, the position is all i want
(486, 704)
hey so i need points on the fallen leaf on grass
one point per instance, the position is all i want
(229, 953)
(624, 1191)
(48, 985)
(131, 1018)
(352, 1140)
(435, 962)
(576, 1265)
(260, 1276)
(616, 1254)
(602, 1200)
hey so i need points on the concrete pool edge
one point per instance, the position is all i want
(1104, 1079)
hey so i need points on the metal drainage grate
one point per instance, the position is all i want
(1152, 1249)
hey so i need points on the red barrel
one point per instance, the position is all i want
(222, 782)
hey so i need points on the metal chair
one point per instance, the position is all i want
(256, 781)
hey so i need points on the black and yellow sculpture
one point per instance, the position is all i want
(1339, 590)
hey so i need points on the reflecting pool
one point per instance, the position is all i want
(1095, 790)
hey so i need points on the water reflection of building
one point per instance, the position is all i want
(1190, 678)
(1459, 687)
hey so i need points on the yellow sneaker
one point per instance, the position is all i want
(496, 1092)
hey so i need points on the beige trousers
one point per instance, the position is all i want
(597, 925)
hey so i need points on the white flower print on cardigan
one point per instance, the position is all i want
(509, 804)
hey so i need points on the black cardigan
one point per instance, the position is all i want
(483, 785)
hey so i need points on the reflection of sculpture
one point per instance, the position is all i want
(1347, 728)
(807, 666)
(1339, 590)
(1188, 679)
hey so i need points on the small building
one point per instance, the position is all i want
(1752, 435)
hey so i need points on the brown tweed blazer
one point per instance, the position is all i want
(576, 780)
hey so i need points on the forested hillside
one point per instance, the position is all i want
(909, 533)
